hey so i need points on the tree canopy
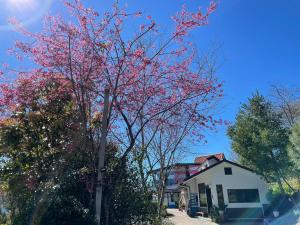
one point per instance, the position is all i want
(294, 147)
(51, 113)
(260, 138)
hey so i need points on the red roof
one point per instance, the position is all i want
(202, 159)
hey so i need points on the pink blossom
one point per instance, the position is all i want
(91, 52)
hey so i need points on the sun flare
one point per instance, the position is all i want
(21, 5)
(26, 12)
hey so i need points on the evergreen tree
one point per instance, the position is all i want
(294, 147)
(260, 139)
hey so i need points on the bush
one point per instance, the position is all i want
(66, 210)
(3, 218)
(215, 215)
(164, 212)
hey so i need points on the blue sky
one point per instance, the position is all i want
(259, 44)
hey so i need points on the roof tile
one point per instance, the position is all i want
(202, 159)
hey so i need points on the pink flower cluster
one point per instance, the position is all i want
(153, 79)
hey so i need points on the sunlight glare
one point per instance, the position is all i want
(21, 5)
(24, 11)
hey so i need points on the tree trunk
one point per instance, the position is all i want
(160, 203)
(161, 195)
(142, 174)
(285, 181)
(107, 212)
(279, 181)
(277, 172)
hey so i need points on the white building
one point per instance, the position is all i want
(178, 172)
(226, 185)
(176, 175)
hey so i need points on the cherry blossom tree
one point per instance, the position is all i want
(151, 79)
(163, 151)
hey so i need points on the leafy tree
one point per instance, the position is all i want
(51, 178)
(125, 199)
(40, 152)
(149, 79)
(294, 147)
(260, 138)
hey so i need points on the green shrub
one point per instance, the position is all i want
(215, 215)
(66, 210)
(3, 218)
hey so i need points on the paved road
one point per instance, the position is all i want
(181, 218)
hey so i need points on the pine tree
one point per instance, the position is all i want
(260, 139)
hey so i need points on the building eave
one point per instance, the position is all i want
(177, 164)
(214, 165)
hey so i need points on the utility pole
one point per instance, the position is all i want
(101, 157)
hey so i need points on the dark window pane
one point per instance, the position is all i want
(187, 172)
(220, 196)
(228, 170)
(243, 195)
(202, 195)
(170, 181)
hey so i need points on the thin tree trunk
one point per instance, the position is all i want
(107, 212)
(277, 172)
(279, 182)
(293, 190)
(161, 193)
(161, 202)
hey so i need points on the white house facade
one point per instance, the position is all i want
(178, 172)
(226, 185)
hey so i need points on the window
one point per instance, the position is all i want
(187, 171)
(228, 171)
(220, 196)
(172, 197)
(202, 195)
(243, 195)
(170, 181)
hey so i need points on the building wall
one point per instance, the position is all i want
(179, 173)
(176, 177)
(240, 179)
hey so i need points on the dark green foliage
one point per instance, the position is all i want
(124, 196)
(260, 138)
(42, 157)
(3, 218)
(49, 167)
(215, 215)
(66, 210)
(294, 148)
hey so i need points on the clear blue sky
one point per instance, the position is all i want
(260, 44)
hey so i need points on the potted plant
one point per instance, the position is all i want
(276, 213)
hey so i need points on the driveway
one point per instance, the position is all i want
(181, 218)
(290, 218)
